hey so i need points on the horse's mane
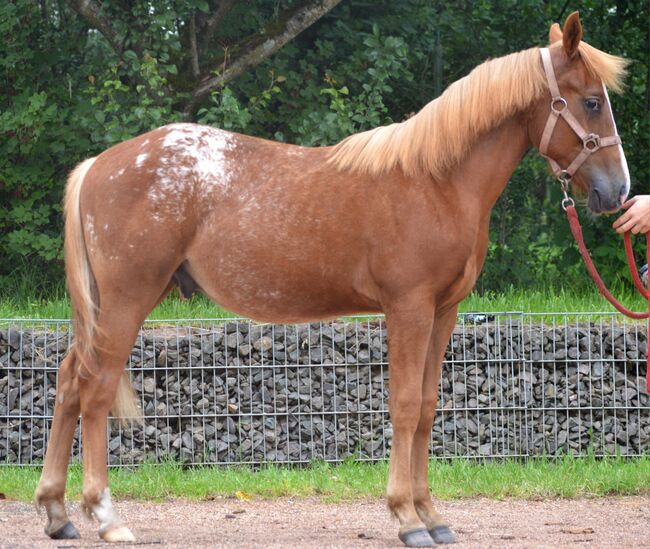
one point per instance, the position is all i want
(439, 136)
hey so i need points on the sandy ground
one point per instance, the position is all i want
(602, 522)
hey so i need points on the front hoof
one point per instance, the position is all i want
(416, 538)
(67, 531)
(116, 534)
(442, 534)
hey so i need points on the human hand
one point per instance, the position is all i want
(637, 216)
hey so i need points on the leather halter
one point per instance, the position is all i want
(591, 142)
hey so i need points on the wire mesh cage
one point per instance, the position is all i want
(233, 391)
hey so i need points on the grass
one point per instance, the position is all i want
(19, 304)
(534, 479)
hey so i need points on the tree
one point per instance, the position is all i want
(203, 64)
(79, 76)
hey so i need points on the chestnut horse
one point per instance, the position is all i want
(391, 220)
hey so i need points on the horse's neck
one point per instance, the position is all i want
(483, 176)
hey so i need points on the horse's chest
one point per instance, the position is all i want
(459, 273)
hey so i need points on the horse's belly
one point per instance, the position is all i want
(276, 287)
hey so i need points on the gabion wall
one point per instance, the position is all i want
(238, 392)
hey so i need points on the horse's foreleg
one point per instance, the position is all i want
(409, 328)
(442, 328)
(51, 488)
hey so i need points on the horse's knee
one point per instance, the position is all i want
(427, 413)
(405, 412)
(97, 393)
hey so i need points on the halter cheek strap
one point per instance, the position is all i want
(591, 142)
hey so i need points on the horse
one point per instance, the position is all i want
(393, 220)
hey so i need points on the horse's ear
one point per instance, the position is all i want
(554, 33)
(572, 34)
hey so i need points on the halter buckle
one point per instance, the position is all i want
(564, 178)
(561, 101)
(591, 142)
(567, 200)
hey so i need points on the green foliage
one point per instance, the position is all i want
(122, 111)
(66, 94)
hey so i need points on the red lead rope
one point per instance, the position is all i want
(576, 229)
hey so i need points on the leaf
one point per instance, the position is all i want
(243, 496)
(202, 5)
(130, 55)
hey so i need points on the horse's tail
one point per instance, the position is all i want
(83, 292)
(81, 282)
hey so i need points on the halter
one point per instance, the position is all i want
(591, 142)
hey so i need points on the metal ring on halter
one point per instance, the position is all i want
(567, 201)
(558, 100)
(591, 142)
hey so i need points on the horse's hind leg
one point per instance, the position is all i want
(51, 488)
(442, 328)
(117, 326)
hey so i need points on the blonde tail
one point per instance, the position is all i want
(81, 285)
(125, 406)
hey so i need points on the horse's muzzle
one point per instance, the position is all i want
(606, 196)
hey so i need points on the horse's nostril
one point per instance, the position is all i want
(595, 200)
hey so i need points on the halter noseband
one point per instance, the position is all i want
(591, 142)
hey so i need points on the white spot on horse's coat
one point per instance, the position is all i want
(296, 151)
(144, 143)
(90, 227)
(621, 154)
(120, 172)
(104, 512)
(192, 160)
(139, 160)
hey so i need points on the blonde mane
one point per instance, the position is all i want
(440, 135)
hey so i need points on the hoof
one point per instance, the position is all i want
(416, 538)
(116, 534)
(442, 534)
(67, 531)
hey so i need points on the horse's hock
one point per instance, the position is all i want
(233, 392)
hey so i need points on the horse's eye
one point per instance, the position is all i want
(592, 104)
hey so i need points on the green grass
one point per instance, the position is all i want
(537, 478)
(19, 304)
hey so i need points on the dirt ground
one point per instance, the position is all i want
(602, 522)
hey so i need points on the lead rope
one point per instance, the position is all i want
(576, 229)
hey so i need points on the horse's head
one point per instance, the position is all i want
(573, 125)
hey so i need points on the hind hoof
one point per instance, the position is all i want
(442, 534)
(416, 538)
(117, 534)
(67, 531)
